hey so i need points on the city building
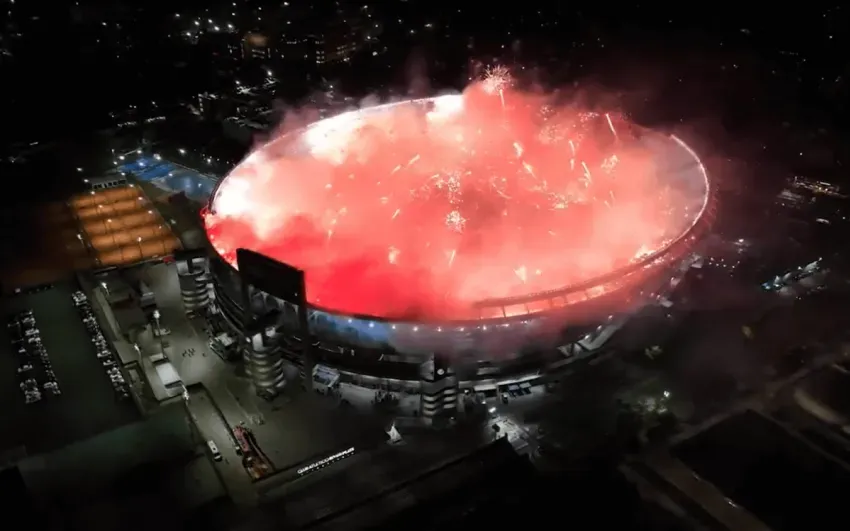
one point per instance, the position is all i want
(256, 46)
(329, 35)
(347, 33)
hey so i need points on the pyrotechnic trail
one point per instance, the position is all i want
(421, 208)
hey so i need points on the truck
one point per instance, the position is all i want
(169, 377)
(255, 462)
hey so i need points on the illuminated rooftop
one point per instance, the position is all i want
(121, 227)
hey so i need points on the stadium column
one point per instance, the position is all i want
(308, 360)
(440, 390)
(193, 278)
(279, 283)
(263, 360)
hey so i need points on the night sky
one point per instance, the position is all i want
(762, 97)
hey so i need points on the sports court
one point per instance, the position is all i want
(171, 177)
(120, 226)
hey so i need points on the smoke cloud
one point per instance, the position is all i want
(420, 209)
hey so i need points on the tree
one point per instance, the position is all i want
(585, 420)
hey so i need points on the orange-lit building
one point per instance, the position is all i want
(120, 226)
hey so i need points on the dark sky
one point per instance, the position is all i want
(737, 69)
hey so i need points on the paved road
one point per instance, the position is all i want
(217, 408)
(212, 426)
(201, 366)
(289, 431)
(705, 494)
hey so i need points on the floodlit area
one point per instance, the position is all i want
(120, 226)
(170, 176)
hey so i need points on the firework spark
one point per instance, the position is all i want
(496, 79)
(420, 209)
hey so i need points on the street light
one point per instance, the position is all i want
(141, 252)
(157, 332)
(105, 288)
(108, 226)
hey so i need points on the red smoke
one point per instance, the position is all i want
(419, 209)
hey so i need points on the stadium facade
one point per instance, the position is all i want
(510, 340)
(513, 340)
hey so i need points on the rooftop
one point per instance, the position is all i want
(120, 226)
(393, 482)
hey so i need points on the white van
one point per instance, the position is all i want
(216, 455)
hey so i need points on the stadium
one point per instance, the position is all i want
(495, 315)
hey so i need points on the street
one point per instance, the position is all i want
(212, 426)
(293, 429)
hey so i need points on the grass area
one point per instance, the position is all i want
(88, 404)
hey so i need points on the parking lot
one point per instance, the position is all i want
(36, 378)
(106, 353)
(87, 405)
